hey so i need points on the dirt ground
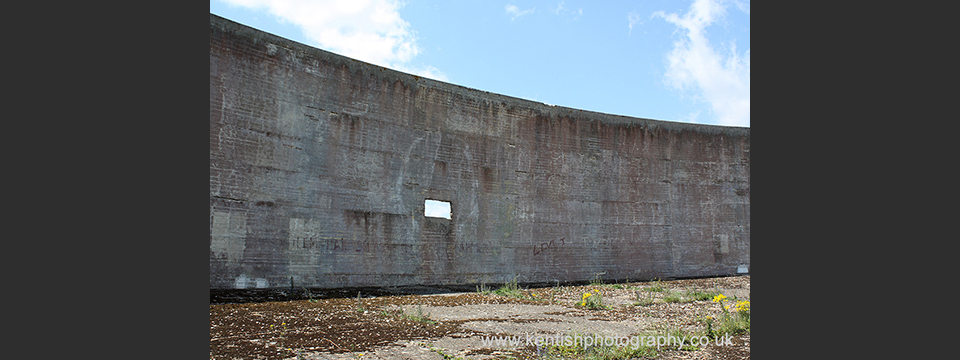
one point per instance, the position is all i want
(455, 325)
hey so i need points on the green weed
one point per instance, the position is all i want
(512, 289)
(593, 300)
(734, 320)
(657, 286)
(698, 295)
(418, 316)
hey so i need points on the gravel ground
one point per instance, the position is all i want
(452, 325)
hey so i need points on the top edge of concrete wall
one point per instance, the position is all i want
(419, 81)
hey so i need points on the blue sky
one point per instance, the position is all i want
(686, 61)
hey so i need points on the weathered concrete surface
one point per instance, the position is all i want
(320, 164)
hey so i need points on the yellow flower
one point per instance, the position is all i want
(586, 295)
(596, 290)
(719, 298)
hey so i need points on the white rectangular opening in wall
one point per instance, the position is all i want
(436, 208)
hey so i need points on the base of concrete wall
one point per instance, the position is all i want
(235, 296)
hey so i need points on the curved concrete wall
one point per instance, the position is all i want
(320, 165)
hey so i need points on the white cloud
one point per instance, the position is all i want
(366, 30)
(516, 12)
(633, 19)
(562, 10)
(722, 80)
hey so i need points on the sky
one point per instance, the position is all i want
(684, 61)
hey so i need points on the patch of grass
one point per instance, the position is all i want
(699, 295)
(657, 286)
(483, 289)
(734, 320)
(672, 297)
(418, 316)
(739, 323)
(680, 334)
(688, 296)
(511, 289)
(736, 323)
